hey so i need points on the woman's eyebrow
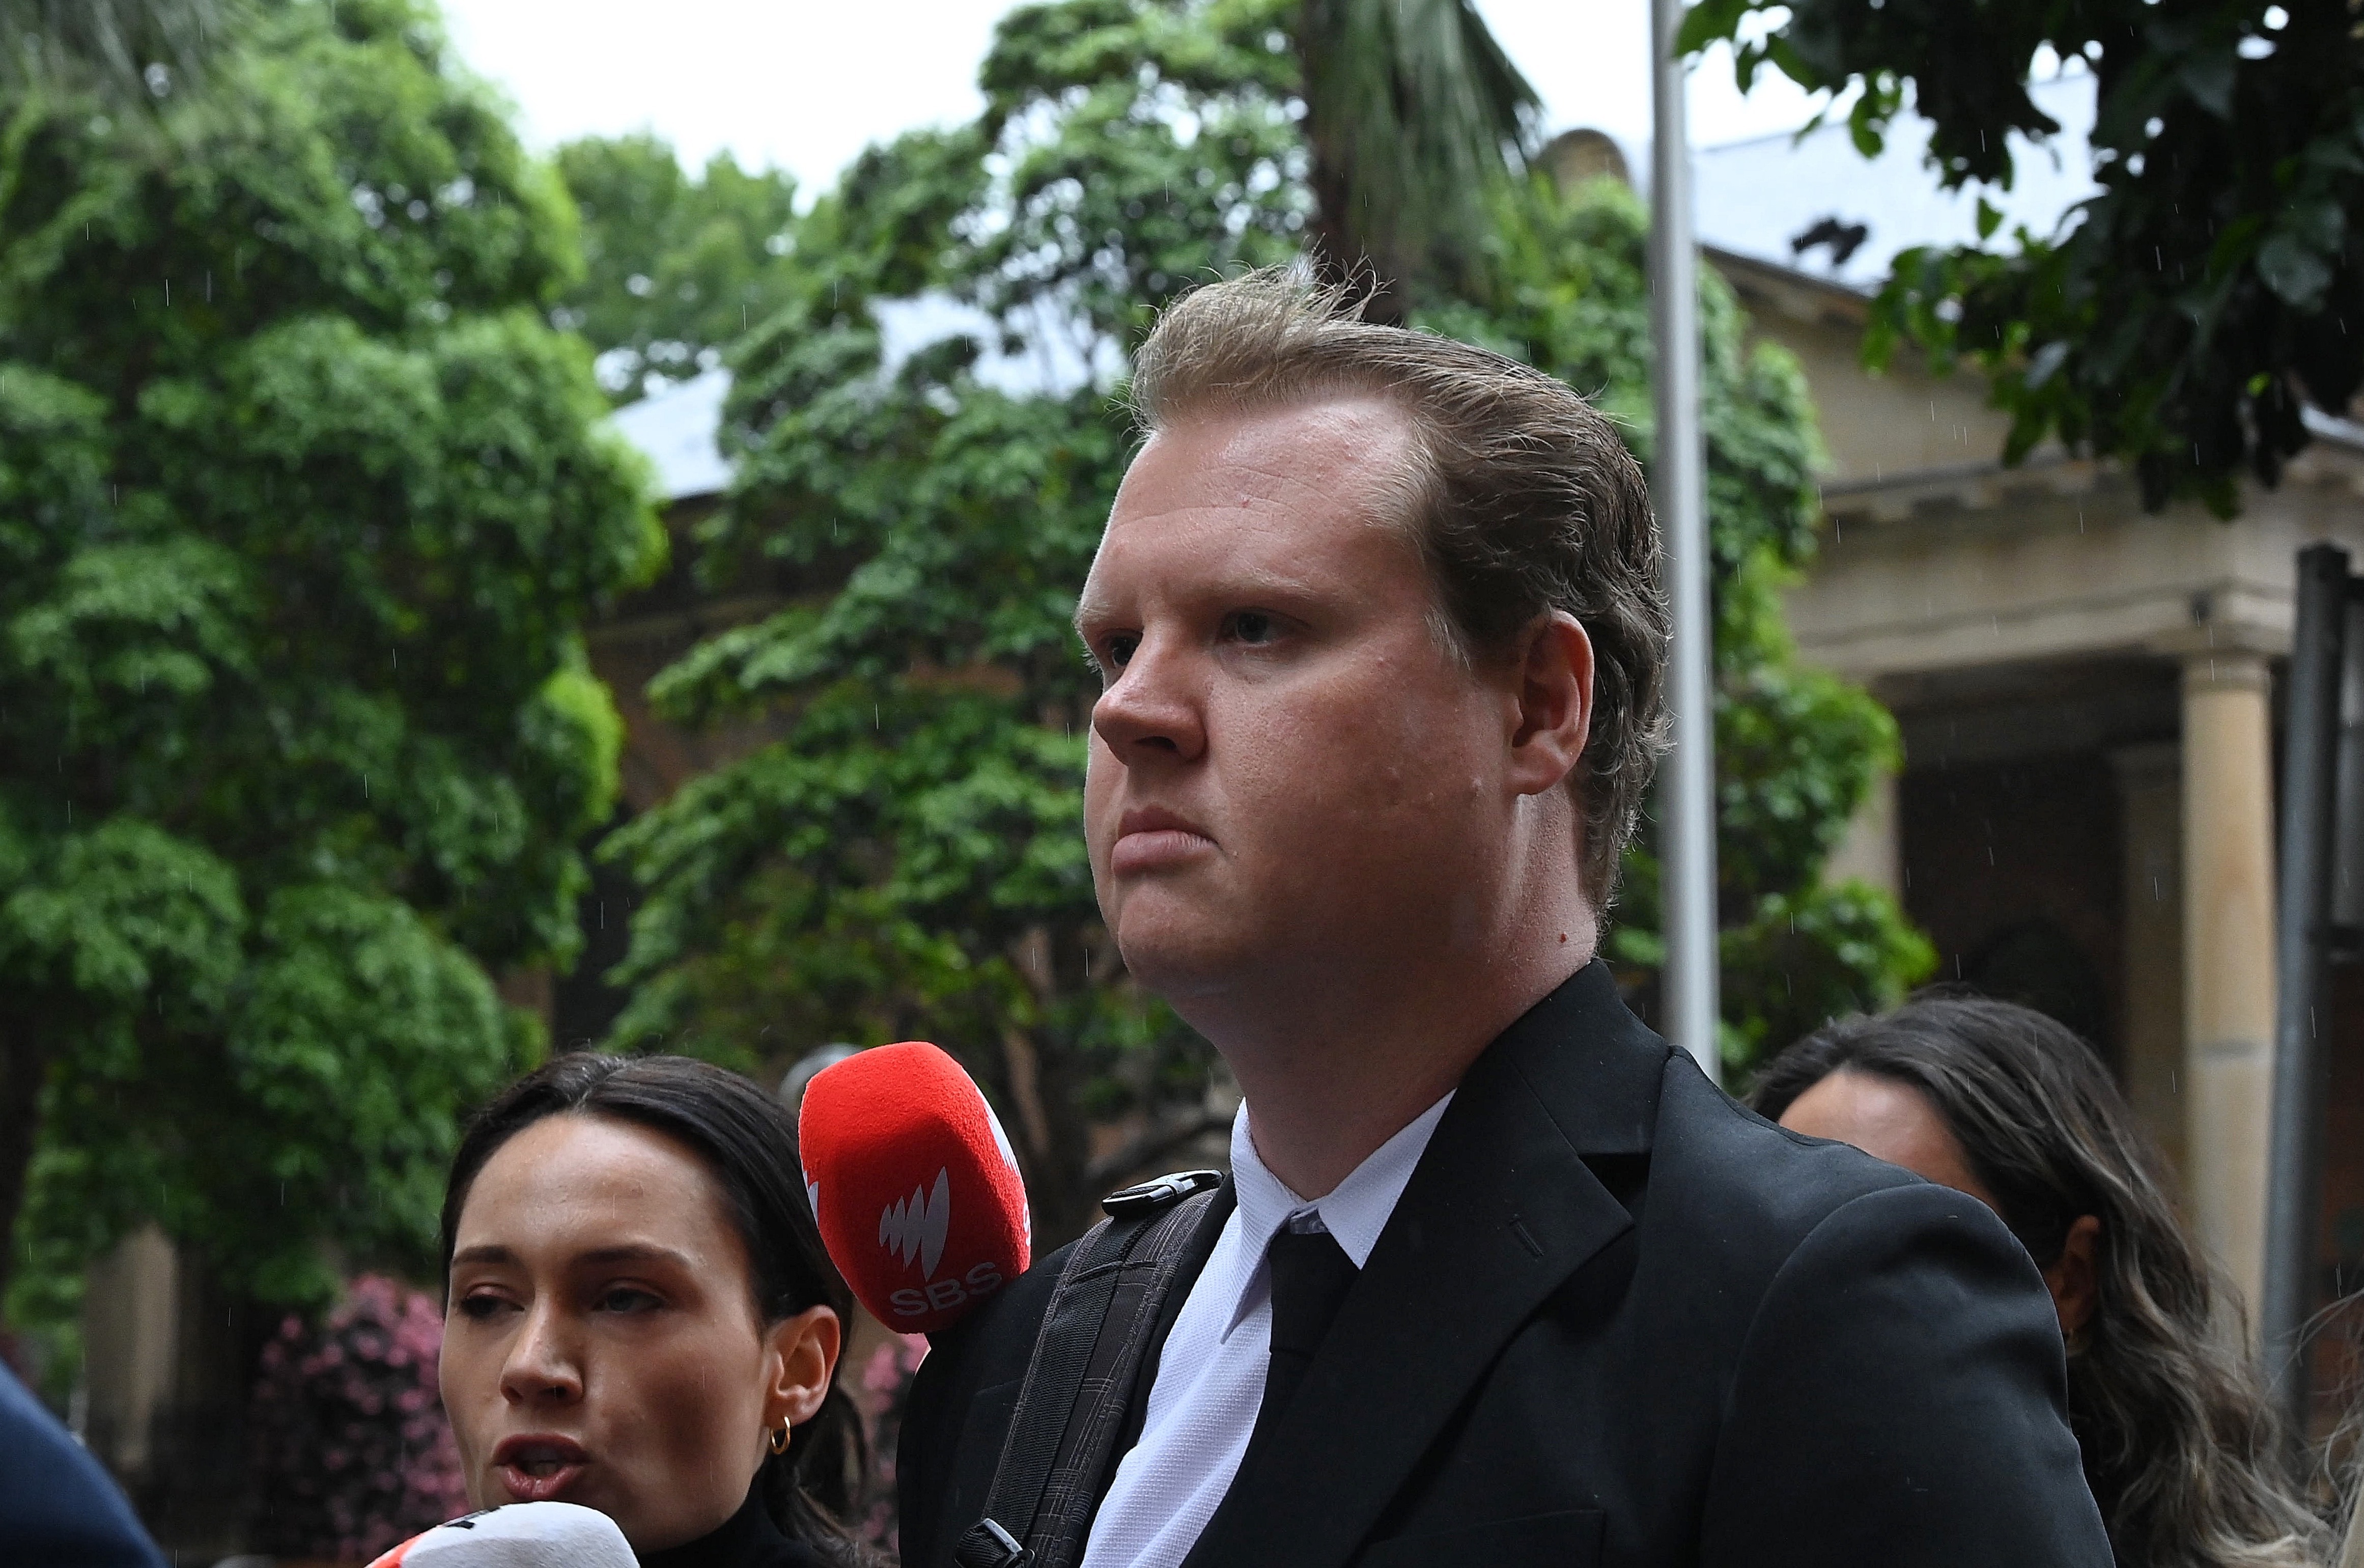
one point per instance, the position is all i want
(634, 1253)
(483, 1253)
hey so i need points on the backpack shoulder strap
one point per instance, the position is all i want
(1073, 1403)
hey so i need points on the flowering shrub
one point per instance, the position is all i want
(886, 1388)
(352, 1451)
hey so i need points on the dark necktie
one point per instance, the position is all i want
(1311, 1274)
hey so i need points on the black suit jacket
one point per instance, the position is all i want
(1616, 1318)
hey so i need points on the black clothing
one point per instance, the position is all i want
(1618, 1319)
(1310, 1276)
(747, 1539)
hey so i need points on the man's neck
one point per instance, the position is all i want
(1325, 1092)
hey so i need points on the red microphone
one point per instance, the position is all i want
(914, 1184)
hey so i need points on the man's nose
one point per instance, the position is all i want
(1153, 710)
(541, 1366)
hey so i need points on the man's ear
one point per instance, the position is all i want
(1552, 703)
(804, 1353)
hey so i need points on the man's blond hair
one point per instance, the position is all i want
(1522, 497)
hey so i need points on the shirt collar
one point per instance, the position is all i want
(1355, 1211)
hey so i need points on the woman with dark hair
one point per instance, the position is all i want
(640, 1317)
(2181, 1447)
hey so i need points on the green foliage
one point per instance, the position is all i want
(1148, 144)
(129, 52)
(673, 267)
(302, 507)
(2180, 319)
(906, 859)
(907, 856)
(1410, 107)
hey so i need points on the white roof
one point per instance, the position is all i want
(675, 429)
(1754, 197)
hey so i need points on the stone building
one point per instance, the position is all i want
(2088, 693)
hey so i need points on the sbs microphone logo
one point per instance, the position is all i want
(913, 1228)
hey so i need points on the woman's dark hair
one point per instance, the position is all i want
(748, 1141)
(2181, 1447)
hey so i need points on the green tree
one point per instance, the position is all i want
(675, 267)
(907, 858)
(302, 505)
(1412, 113)
(128, 52)
(2182, 319)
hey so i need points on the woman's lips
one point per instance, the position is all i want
(538, 1468)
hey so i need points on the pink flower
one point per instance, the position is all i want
(352, 1451)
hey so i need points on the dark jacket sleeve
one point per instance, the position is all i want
(959, 1413)
(1901, 1399)
(918, 1454)
(57, 1506)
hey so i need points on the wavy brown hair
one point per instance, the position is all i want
(2182, 1448)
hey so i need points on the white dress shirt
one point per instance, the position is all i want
(1202, 1407)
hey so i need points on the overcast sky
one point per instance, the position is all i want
(807, 85)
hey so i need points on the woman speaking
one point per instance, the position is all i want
(2001, 1103)
(640, 1317)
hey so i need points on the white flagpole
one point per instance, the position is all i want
(1688, 842)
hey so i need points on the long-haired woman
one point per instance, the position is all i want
(640, 1317)
(2181, 1447)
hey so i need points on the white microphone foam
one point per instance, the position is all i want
(522, 1535)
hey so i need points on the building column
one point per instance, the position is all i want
(2150, 795)
(2228, 956)
(130, 1321)
(1871, 851)
(165, 1380)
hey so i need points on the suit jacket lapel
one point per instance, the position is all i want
(1500, 1212)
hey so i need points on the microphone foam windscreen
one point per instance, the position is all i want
(522, 1535)
(914, 1184)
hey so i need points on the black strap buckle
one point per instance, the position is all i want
(987, 1545)
(1155, 1195)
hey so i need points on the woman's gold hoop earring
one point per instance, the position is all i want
(779, 1439)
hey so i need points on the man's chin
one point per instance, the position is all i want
(1176, 959)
